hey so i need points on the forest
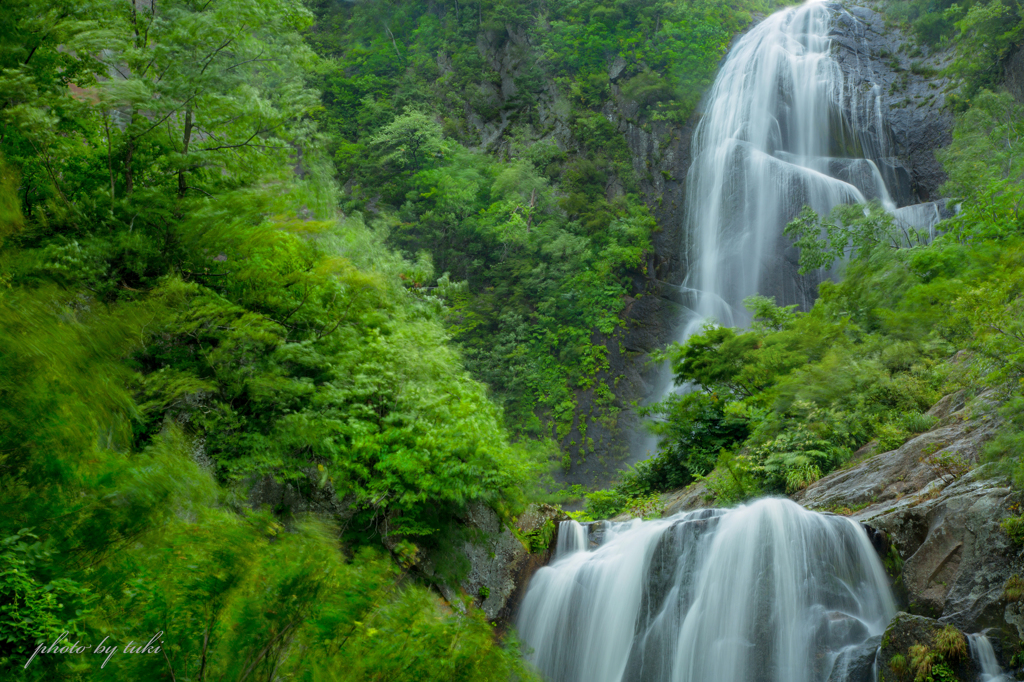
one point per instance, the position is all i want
(325, 248)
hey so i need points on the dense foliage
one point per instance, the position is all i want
(197, 350)
(479, 132)
(284, 290)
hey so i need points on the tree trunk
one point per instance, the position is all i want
(185, 139)
(129, 172)
(110, 153)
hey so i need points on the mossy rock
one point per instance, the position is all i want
(911, 641)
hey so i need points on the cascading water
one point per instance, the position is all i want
(781, 130)
(768, 592)
(985, 656)
(760, 154)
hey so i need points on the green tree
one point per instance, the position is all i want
(410, 142)
(207, 86)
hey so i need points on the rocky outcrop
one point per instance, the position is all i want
(882, 78)
(914, 643)
(892, 479)
(943, 519)
(959, 558)
(501, 561)
(856, 663)
(694, 496)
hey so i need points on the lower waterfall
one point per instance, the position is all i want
(985, 657)
(767, 592)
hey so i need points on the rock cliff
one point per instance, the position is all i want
(499, 559)
(882, 76)
(952, 560)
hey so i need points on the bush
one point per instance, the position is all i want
(1013, 590)
(694, 428)
(604, 504)
(898, 663)
(949, 465)
(734, 479)
(950, 643)
(1014, 527)
(915, 422)
(891, 436)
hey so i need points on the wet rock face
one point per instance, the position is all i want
(958, 572)
(856, 664)
(881, 76)
(956, 557)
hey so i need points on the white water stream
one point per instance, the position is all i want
(768, 592)
(985, 656)
(782, 129)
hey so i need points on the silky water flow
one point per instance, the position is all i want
(767, 592)
(782, 129)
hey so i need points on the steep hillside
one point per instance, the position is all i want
(551, 148)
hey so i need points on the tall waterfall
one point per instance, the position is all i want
(780, 131)
(768, 592)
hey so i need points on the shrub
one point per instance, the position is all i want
(1014, 588)
(604, 504)
(647, 507)
(949, 465)
(915, 422)
(540, 539)
(733, 479)
(950, 643)
(891, 436)
(695, 429)
(922, 658)
(941, 672)
(1014, 527)
(898, 663)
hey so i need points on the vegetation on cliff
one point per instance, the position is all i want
(281, 281)
(778, 406)
(480, 137)
(187, 320)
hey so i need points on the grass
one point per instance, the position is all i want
(847, 510)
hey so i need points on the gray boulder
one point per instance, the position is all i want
(856, 663)
(694, 496)
(945, 524)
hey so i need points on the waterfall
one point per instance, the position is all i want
(781, 130)
(768, 592)
(572, 537)
(985, 656)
